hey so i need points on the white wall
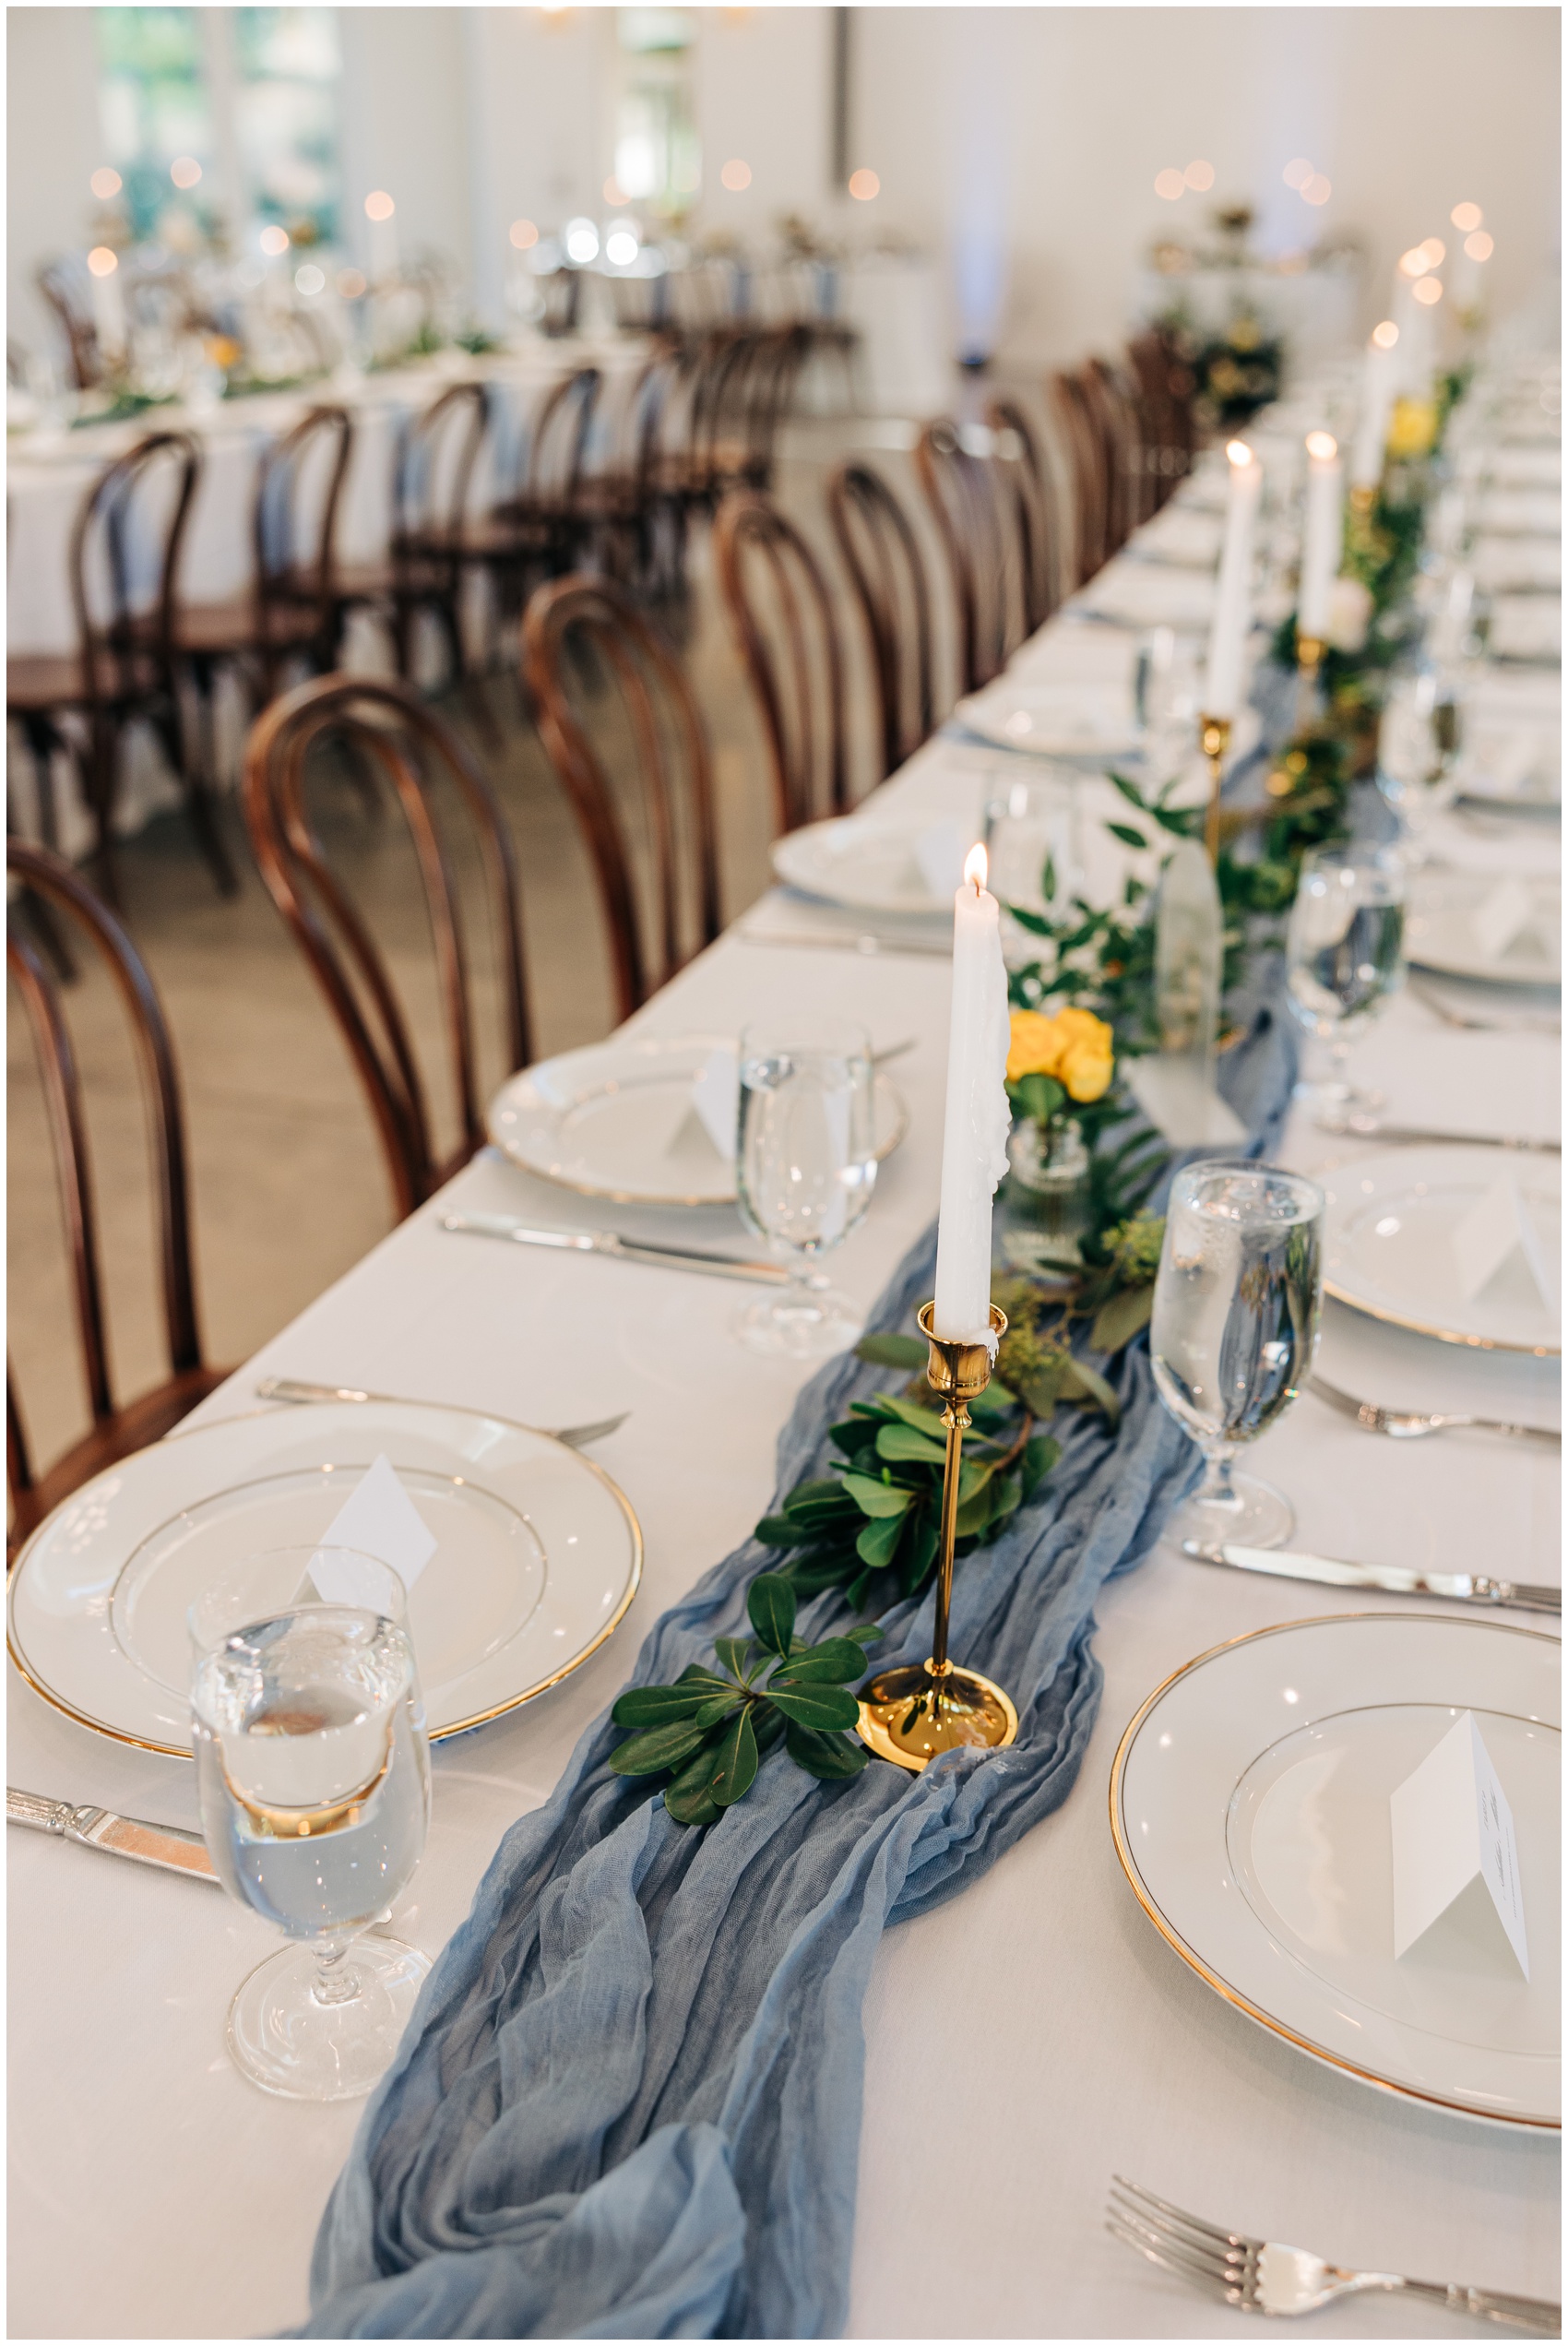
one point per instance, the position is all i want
(52, 150)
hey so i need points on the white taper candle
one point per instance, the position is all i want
(1233, 598)
(974, 1142)
(1377, 405)
(1322, 534)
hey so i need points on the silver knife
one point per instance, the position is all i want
(297, 1388)
(1373, 1128)
(1466, 1588)
(848, 941)
(165, 1846)
(608, 1242)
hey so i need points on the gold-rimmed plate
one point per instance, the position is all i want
(1389, 1223)
(619, 1121)
(1248, 1806)
(537, 1556)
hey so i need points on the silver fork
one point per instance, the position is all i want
(1452, 1018)
(295, 1389)
(1413, 1425)
(1265, 2277)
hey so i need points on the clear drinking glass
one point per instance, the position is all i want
(806, 1167)
(313, 1773)
(1235, 1326)
(1031, 845)
(1345, 956)
(1418, 739)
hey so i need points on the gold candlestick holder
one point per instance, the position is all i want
(913, 1712)
(1214, 740)
(1309, 660)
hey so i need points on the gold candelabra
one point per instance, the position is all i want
(1309, 660)
(913, 1712)
(1214, 740)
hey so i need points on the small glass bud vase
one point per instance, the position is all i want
(1047, 1193)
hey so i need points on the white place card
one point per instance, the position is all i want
(1496, 1230)
(940, 853)
(1454, 1853)
(1505, 914)
(1169, 1088)
(380, 1520)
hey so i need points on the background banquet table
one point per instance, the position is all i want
(1050, 2033)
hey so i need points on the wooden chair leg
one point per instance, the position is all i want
(194, 773)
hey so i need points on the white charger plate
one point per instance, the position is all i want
(1148, 594)
(869, 862)
(1388, 1229)
(537, 1556)
(1439, 935)
(1052, 720)
(616, 1121)
(1249, 1805)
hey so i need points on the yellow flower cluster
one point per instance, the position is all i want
(1072, 1046)
(1412, 428)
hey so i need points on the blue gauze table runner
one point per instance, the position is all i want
(629, 2102)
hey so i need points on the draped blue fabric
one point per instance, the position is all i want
(629, 2103)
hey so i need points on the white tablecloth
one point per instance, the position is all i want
(1051, 2036)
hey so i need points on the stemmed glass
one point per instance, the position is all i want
(1031, 845)
(805, 1171)
(1235, 1326)
(313, 1773)
(1418, 738)
(1345, 955)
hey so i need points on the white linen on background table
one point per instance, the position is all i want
(1051, 2033)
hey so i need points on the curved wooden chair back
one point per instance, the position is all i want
(764, 393)
(1075, 427)
(564, 620)
(126, 550)
(116, 1430)
(787, 628)
(1164, 387)
(979, 528)
(294, 542)
(562, 293)
(435, 470)
(557, 443)
(60, 282)
(1026, 483)
(883, 557)
(1116, 425)
(386, 729)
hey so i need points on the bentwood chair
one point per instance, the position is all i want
(117, 1428)
(787, 628)
(1115, 417)
(1163, 389)
(293, 612)
(542, 525)
(432, 477)
(579, 627)
(126, 552)
(385, 729)
(887, 568)
(67, 288)
(1076, 428)
(978, 521)
(1025, 481)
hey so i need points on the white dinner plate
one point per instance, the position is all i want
(1052, 720)
(1183, 538)
(537, 1556)
(1441, 932)
(1249, 1804)
(893, 864)
(1148, 594)
(617, 1120)
(1388, 1243)
(1527, 627)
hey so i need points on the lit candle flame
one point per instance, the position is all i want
(1322, 444)
(1239, 452)
(975, 868)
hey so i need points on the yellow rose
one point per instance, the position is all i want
(1035, 1046)
(1082, 1026)
(1086, 1073)
(1413, 427)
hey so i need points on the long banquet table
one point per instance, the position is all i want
(1054, 2034)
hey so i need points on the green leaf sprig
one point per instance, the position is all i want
(712, 1729)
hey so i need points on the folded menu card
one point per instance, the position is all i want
(1455, 1860)
(1496, 1232)
(1504, 914)
(379, 1519)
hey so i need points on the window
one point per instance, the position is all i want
(153, 104)
(286, 119)
(658, 157)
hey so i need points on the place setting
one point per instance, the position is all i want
(843, 981)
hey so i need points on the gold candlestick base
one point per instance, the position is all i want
(913, 1712)
(1309, 654)
(1214, 740)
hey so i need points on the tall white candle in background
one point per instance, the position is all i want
(1321, 535)
(108, 300)
(974, 1142)
(381, 212)
(1377, 406)
(1233, 598)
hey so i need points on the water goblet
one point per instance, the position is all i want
(1031, 845)
(1236, 1307)
(313, 1774)
(1345, 956)
(806, 1166)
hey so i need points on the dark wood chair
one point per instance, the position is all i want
(1076, 428)
(294, 610)
(977, 523)
(1026, 483)
(577, 625)
(1164, 388)
(541, 527)
(117, 1428)
(1114, 419)
(385, 730)
(425, 566)
(126, 552)
(887, 567)
(787, 628)
(65, 286)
